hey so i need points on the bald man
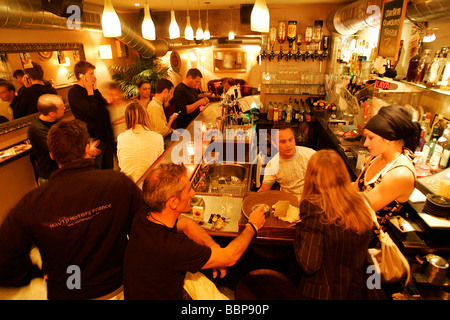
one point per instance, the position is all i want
(51, 108)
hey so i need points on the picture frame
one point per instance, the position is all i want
(230, 60)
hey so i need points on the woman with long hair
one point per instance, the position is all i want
(388, 179)
(138, 147)
(333, 235)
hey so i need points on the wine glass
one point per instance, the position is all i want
(226, 203)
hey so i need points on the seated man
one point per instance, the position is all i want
(230, 88)
(51, 108)
(79, 220)
(288, 167)
(158, 256)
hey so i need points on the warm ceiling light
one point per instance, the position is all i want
(260, 18)
(174, 30)
(430, 35)
(188, 32)
(105, 51)
(199, 33)
(110, 21)
(206, 34)
(148, 27)
(231, 33)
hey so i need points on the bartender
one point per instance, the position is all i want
(186, 100)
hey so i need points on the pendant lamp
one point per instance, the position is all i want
(199, 33)
(174, 29)
(231, 33)
(260, 18)
(148, 27)
(188, 32)
(110, 21)
(206, 34)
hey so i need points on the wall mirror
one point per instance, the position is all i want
(57, 60)
(227, 60)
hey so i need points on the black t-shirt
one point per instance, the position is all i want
(28, 97)
(37, 133)
(157, 259)
(183, 96)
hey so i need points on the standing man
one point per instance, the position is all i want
(186, 100)
(19, 76)
(79, 220)
(175, 243)
(9, 99)
(288, 167)
(88, 105)
(155, 109)
(28, 97)
(51, 108)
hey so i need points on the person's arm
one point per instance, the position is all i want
(395, 185)
(228, 256)
(308, 242)
(265, 187)
(201, 102)
(87, 105)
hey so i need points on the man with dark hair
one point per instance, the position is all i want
(51, 108)
(8, 96)
(185, 98)
(27, 99)
(164, 245)
(288, 166)
(231, 88)
(88, 105)
(18, 75)
(155, 109)
(79, 220)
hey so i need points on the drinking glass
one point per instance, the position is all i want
(226, 203)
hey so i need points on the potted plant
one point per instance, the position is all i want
(150, 69)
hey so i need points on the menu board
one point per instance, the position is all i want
(393, 14)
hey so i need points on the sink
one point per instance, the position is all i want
(222, 178)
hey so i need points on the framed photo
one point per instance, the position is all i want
(26, 60)
(76, 55)
(61, 57)
(228, 60)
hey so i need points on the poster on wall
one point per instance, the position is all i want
(393, 14)
(26, 60)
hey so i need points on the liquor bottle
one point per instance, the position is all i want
(281, 37)
(275, 112)
(291, 33)
(412, 68)
(270, 113)
(433, 65)
(284, 111)
(439, 148)
(436, 69)
(289, 111)
(426, 126)
(446, 149)
(444, 78)
(422, 67)
(428, 148)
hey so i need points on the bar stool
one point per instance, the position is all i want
(265, 284)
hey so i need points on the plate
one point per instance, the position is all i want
(269, 198)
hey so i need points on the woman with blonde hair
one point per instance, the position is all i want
(333, 235)
(138, 147)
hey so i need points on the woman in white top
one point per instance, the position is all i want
(388, 179)
(138, 147)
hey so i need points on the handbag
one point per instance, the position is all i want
(390, 263)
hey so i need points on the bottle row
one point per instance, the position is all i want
(292, 111)
(430, 72)
(298, 89)
(434, 148)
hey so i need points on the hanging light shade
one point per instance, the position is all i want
(260, 18)
(206, 34)
(174, 30)
(188, 32)
(110, 21)
(148, 27)
(231, 33)
(199, 33)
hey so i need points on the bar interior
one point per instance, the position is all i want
(282, 82)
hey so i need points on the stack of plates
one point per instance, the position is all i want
(437, 206)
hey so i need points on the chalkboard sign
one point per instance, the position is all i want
(391, 28)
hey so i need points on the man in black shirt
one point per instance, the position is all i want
(164, 245)
(51, 108)
(88, 105)
(28, 97)
(186, 100)
(79, 220)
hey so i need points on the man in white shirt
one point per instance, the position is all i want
(155, 109)
(288, 167)
(230, 86)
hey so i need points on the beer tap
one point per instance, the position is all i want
(325, 43)
(308, 40)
